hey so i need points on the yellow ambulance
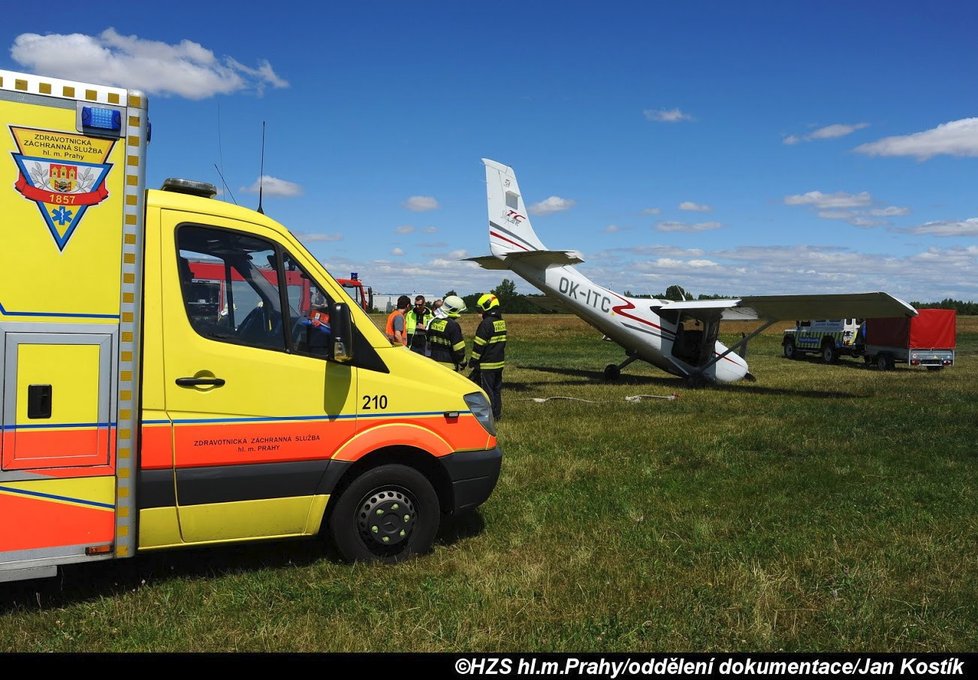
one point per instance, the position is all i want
(179, 371)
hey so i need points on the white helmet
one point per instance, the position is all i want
(454, 305)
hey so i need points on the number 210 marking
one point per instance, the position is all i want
(374, 402)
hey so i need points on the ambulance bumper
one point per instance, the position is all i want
(473, 475)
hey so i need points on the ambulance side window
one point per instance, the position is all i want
(232, 285)
(231, 288)
(308, 311)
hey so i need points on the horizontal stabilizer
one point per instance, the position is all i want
(488, 262)
(791, 307)
(532, 258)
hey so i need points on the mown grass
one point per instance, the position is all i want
(820, 508)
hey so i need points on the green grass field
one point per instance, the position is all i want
(822, 508)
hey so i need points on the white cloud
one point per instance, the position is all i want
(551, 205)
(273, 186)
(689, 228)
(312, 238)
(421, 203)
(405, 229)
(851, 208)
(651, 211)
(968, 227)
(699, 264)
(956, 138)
(185, 69)
(694, 207)
(840, 199)
(666, 115)
(890, 211)
(836, 214)
(397, 252)
(430, 230)
(828, 132)
(611, 229)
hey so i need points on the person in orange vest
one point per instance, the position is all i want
(396, 331)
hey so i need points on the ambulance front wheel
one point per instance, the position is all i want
(387, 514)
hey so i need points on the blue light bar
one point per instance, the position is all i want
(353, 275)
(101, 119)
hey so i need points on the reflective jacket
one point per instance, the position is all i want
(489, 346)
(415, 325)
(446, 341)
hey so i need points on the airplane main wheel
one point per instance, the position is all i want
(612, 372)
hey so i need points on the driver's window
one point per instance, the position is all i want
(230, 286)
(309, 310)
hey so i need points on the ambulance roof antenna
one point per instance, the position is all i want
(261, 170)
(226, 187)
(220, 155)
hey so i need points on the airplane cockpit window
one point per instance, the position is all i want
(695, 341)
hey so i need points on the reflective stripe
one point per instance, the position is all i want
(494, 365)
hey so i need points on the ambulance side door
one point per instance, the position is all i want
(256, 409)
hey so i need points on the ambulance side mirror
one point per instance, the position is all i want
(341, 326)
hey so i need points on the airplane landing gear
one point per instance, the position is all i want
(613, 371)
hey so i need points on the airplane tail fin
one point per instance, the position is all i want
(510, 230)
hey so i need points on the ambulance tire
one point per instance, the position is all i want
(387, 514)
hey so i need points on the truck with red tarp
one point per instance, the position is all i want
(927, 339)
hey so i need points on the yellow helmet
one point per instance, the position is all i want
(487, 301)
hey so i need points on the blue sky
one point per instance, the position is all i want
(732, 148)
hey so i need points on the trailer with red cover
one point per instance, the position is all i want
(927, 339)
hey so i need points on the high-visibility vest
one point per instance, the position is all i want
(413, 323)
(390, 327)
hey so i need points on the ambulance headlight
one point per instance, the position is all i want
(482, 410)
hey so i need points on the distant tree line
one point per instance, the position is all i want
(963, 308)
(518, 303)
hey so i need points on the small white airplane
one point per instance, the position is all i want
(678, 337)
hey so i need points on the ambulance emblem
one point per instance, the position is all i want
(63, 173)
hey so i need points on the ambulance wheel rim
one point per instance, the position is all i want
(386, 517)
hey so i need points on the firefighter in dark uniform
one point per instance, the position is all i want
(445, 335)
(489, 352)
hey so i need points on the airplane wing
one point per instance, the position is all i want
(533, 258)
(790, 307)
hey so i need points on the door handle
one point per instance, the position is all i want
(194, 382)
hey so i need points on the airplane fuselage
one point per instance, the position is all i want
(629, 322)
